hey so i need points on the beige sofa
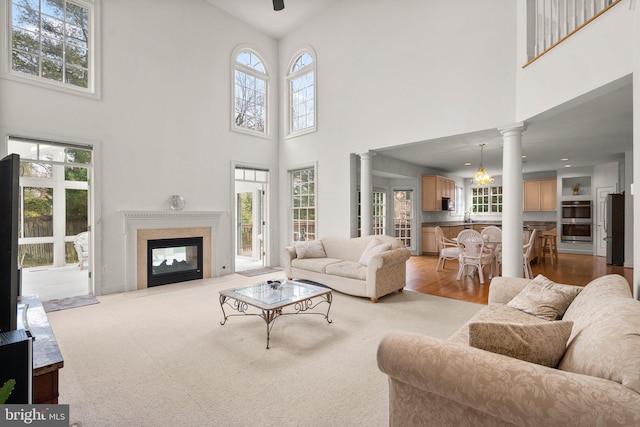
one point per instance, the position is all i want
(435, 382)
(370, 266)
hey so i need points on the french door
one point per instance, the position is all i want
(54, 211)
(250, 188)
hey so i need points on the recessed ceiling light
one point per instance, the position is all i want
(567, 166)
(564, 159)
(467, 164)
(524, 156)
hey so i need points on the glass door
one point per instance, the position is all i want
(54, 223)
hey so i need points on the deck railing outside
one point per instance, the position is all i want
(552, 21)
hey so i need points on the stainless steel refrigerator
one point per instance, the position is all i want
(614, 226)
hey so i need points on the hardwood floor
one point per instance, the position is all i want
(571, 269)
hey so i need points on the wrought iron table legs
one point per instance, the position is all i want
(270, 315)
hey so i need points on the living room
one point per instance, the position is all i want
(162, 110)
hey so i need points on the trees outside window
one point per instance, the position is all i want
(52, 41)
(303, 204)
(302, 94)
(250, 93)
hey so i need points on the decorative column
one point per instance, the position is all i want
(366, 194)
(512, 224)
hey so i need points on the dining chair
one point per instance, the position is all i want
(526, 254)
(447, 249)
(473, 253)
(527, 249)
(492, 236)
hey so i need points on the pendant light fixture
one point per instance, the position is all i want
(481, 177)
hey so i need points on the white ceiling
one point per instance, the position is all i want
(587, 132)
(594, 129)
(260, 14)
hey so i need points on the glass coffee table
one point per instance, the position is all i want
(272, 297)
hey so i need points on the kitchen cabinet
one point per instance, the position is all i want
(540, 194)
(429, 244)
(434, 188)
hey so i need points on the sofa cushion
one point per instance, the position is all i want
(352, 270)
(605, 341)
(319, 265)
(374, 248)
(541, 343)
(495, 313)
(544, 298)
(310, 249)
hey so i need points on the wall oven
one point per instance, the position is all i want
(577, 221)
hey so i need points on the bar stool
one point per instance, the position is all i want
(549, 244)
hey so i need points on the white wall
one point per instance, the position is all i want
(163, 123)
(599, 53)
(396, 73)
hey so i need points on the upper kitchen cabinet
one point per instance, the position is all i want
(434, 189)
(540, 194)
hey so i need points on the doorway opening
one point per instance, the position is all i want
(251, 230)
(54, 233)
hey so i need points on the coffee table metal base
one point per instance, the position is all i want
(270, 315)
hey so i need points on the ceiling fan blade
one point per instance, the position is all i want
(278, 4)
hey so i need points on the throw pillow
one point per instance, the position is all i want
(544, 298)
(374, 247)
(310, 249)
(542, 343)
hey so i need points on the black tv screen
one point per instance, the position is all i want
(9, 275)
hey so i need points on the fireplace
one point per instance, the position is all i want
(174, 260)
(142, 226)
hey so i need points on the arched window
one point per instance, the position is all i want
(302, 93)
(250, 92)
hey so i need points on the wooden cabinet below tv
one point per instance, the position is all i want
(47, 358)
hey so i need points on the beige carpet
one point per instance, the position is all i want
(159, 357)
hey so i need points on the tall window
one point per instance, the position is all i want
(302, 94)
(486, 199)
(53, 41)
(379, 212)
(250, 93)
(402, 209)
(303, 204)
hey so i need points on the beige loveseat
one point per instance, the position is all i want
(370, 266)
(450, 383)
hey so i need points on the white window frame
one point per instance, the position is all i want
(492, 191)
(291, 203)
(291, 75)
(256, 74)
(404, 229)
(94, 88)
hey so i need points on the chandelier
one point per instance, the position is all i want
(481, 177)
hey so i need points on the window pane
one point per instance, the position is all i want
(77, 204)
(35, 170)
(35, 255)
(62, 40)
(38, 212)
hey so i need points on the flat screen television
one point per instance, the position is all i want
(9, 274)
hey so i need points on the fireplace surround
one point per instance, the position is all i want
(142, 226)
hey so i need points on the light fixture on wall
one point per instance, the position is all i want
(481, 177)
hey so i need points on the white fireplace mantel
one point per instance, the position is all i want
(148, 220)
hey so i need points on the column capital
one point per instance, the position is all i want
(517, 127)
(367, 154)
